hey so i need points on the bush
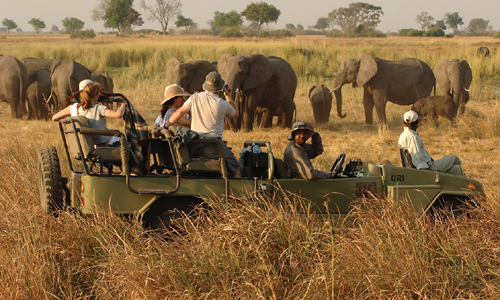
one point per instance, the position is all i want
(404, 32)
(377, 34)
(281, 33)
(83, 34)
(497, 35)
(335, 33)
(434, 32)
(415, 32)
(232, 32)
(264, 34)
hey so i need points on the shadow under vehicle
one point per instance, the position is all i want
(177, 182)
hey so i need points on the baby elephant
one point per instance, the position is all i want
(484, 51)
(434, 107)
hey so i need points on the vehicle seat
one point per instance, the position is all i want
(406, 158)
(280, 170)
(85, 141)
(186, 164)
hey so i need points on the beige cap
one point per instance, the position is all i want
(410, 116)
(83, 83)
(173, 91)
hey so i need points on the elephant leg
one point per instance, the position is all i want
(258, 116)
(380, 100)
(267, 120)
(287, 113)
(368, 104)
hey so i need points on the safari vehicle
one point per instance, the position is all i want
(178, 182)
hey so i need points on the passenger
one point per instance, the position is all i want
(208, 111)
(298, 153)
(95, 112)
(174, 99)
(409, 140)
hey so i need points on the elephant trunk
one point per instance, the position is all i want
(338, 96)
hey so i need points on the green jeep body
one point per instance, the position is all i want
(176, 186)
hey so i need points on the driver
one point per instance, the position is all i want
(298, 153)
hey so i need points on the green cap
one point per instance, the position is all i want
(300, 126)
(213, 82)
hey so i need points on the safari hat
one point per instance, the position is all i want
(83, 83)
(213, 82)
(300, 126)
(410, 116)
(173, 91)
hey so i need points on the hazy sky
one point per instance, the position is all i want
(398, 14)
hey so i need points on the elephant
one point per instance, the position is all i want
(275, 112)
(401, 82)
(190, 76)
(13, 84)
(65, 78)
(38, 94)
(320, 98)
(434, 107)
(483, 51)
(454, 78)
(37, 100)
(265, 82)
(104, 80)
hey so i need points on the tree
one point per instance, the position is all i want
(453, 20)
(478, 26)
(358, 13)
(54, 28)
(37, 24)
(439, 24)
(261, 13)
(163, 11)
(425, 20)
(226, 20)
(187, 23)
(117, 14)
(322, 24)
(72, 24)
(9, 24)
(290, 26)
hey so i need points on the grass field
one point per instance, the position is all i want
(241, 252)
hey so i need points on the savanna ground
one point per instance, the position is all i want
(257, 250)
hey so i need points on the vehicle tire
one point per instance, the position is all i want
(49, 180)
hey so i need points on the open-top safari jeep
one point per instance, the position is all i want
(178, 182)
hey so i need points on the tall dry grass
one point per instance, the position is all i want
(256, 249)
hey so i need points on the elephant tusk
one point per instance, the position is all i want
(333, 90)
(50, 97)
(466, 90)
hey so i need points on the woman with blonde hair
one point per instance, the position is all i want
(95, 112)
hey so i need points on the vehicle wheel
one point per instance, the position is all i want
(49, 179)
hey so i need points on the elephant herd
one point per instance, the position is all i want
(262, 87)
(43, 84)
(404, 82)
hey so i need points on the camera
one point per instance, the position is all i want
(226, 86)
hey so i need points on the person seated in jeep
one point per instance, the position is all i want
(298, 153)
(409, 140)
(208, 111)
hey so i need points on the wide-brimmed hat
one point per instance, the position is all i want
(173, 91)
(410, 116)
(300, 126)
(213, 82)
(83, 83)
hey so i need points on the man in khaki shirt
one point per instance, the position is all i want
(298, 153)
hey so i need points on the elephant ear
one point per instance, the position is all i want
(260, 71)
(467, 74)
(224, 64)
(310, 91)
(367, 69)
(441, 74)
(171, 68)
(427, 107)
(55, 64)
